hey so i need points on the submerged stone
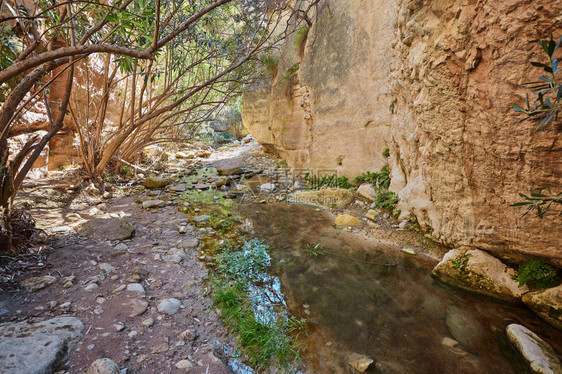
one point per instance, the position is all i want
(537, 353)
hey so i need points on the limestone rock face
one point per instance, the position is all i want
(539, 355)
(477, 271)
(107, 228)
(547, 304)
(37, 348)
(432, 82)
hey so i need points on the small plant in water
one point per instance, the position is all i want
(537, 272)
(314, 250)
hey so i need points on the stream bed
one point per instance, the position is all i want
(371, 299)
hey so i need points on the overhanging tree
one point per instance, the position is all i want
(54, 36)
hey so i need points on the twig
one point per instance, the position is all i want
(130, 165)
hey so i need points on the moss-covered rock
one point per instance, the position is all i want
(477, 271)
(155, 182)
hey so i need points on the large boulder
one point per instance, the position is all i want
(38, 348)
(107, 228)
(336, 198)
(547, 304)
(477, 271)
(537, 353)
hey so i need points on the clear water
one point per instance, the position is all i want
(374, 300)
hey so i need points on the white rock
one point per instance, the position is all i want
(537, 353)
(148, 322)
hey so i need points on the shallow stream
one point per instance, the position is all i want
(360, 297)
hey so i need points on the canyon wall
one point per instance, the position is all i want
(432, 82)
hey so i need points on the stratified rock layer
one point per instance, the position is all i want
(432, 82)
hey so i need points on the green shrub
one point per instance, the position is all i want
(537, 272)
(300, 39)
(270, 64)
(386, 153)
(291, 71)
(379, 180)
(328, 181)
(387, 199)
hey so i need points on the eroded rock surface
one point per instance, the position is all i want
(37, 348)
(432, 82)
(547, 304)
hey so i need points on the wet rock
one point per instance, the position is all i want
(48, 343)
(547, 304)
(107, 228)
(155, 182)
(202, 218)
(359, 362)
(151, 204)
(477, 271)
(103, 366)
(367, 191)
(169, 306)
(347, 220)
(464, 327)
(178, 188)
(184, 365)
(538, 354)
(38, 283)
(136, 287)
(337, 198)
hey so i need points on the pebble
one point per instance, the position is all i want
(135, 287)
(132, 334)
(119, 326)
(103, 366)
(121, 247)
(148, 322)
(184, 364)
(448, 342)
(120, 288)
(91, 346)
(91, 287)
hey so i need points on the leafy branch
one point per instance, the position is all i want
(547, 105)
(539, 201)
